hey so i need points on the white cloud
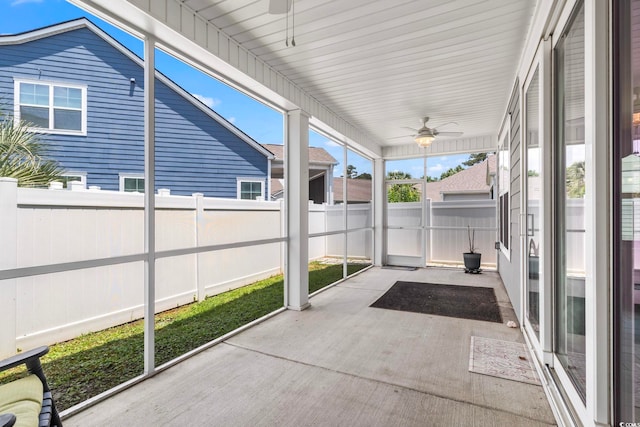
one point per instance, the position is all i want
(436, 168)
(231, 119)
(19, 2)
(206, 100)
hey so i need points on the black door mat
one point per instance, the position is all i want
(466, 302)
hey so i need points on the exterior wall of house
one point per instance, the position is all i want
(509, 268)
(194, 153)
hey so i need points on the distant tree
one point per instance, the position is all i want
(402, 193)
(24, 156)
(475, 158)
(451, 171)
(432, 179)
(351, 171)
(398, 175)
(575, 180)
(364, 175)
(532, 173)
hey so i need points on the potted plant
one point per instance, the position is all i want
(471, 258)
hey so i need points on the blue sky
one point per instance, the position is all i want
(257, 120)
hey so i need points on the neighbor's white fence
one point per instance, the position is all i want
(42, 227)
(359, 242)
(445, 227)
(448, 235)
(47, 227)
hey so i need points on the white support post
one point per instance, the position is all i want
(329, 186)
(8, 260)
(379, 196)
(199, 218)
(149, 206)
(297, 185)
(345, 212)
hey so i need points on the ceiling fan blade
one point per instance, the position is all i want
(408, 128)
(400, 137)
(279, 6)
(449, 133)
(444, 124)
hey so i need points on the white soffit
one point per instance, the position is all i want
(366, 68)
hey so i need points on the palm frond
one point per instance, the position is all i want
(23, 155)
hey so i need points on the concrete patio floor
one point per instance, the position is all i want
(339, 363)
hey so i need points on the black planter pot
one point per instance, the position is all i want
(472, 260)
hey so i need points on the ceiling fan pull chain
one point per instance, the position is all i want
(286, 20)
(293, 23)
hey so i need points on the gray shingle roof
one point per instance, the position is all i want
(358, 190)
(316, 154)
(470, 180)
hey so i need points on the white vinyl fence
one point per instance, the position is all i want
(41, 228)
(67, 242)
(448, 235)
(445, 227)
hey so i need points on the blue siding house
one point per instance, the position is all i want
(84, 90)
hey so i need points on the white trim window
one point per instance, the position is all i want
(250, 189)
(52, 107)
(504, 185)
(132, 182)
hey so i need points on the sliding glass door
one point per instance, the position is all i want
(533, 206)
(570, 229)
(626, 179)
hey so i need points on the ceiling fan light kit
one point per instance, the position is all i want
(424, 140)
(425, 135)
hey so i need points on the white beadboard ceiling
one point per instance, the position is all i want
(381, 65)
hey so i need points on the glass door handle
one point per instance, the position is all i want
(530, 228)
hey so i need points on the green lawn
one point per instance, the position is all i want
(90, 364)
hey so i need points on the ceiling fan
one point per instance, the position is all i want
(425, 135)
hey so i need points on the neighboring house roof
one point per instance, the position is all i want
(86, 23)
(358, 190)
(474, 179)
(317, 155)
(321, 165)
(277, 187)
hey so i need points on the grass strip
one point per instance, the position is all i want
(93, 363)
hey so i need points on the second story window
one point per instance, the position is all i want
(54, 107)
